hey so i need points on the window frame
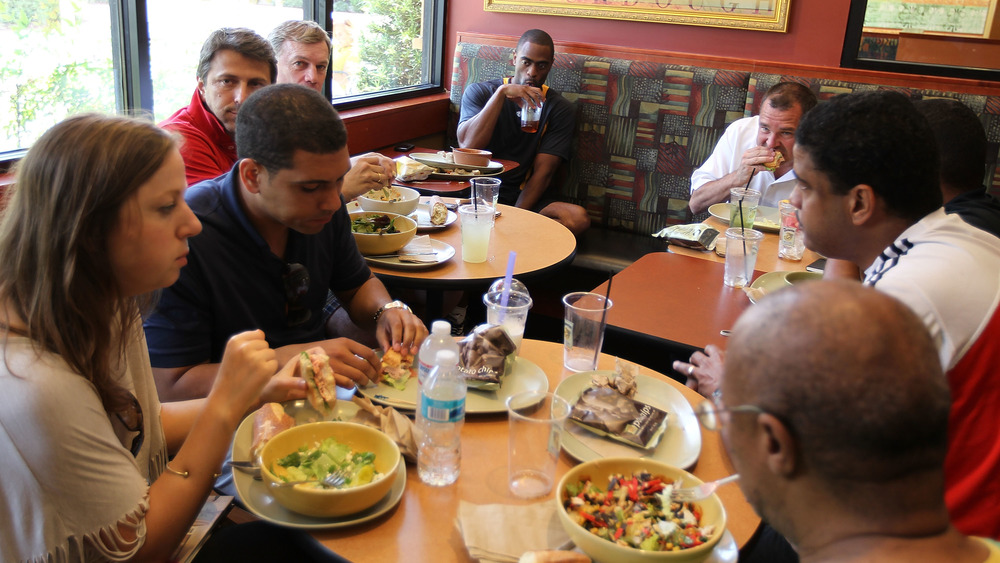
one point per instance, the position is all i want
(133, 75)
(852, 43)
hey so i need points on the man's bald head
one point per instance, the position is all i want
(852, 372)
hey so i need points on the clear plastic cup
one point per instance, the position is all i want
(741, 256)
(743, 207)
(536, 420)
(477, 224)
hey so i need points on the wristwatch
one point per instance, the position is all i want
(397, 304)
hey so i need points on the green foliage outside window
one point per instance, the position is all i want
(391, 49)
(40, 82)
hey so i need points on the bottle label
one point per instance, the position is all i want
(442, 411)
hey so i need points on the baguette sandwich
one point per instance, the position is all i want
(268, 421)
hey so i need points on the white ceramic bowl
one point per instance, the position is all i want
(713, 514)
(332, 502)
(371, 244)
(409, 198)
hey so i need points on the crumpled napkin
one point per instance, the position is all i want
(755, 293)
(394, 424)
(419, 249)
(408, 170)
(503, 532)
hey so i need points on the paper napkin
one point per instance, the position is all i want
(391, 422)
(418, 250)
(503, 532)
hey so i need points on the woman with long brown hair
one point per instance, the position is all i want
(96, 222)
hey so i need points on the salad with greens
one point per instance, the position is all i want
(374, 224)
(323, 458)
(636, 511)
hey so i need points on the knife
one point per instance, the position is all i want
(406, 254)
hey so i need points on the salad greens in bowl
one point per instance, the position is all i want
(381, 233)
(368, 458)
(619, 509)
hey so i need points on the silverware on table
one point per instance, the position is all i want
(332, 480)
(249, 467)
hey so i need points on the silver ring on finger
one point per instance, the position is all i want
(690, 370)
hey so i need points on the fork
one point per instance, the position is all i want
(332, 480)
(702, 491)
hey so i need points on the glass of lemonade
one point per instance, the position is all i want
(746, 200)
(477, 222)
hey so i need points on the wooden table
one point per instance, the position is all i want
(767, 256)
(542, 245)
(422, 527)
(674, 299)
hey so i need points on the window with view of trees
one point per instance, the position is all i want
(60, 55)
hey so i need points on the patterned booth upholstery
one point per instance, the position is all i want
(643, 126)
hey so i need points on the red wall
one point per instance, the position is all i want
(815, 32)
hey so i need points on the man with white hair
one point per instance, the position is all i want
(303, 49)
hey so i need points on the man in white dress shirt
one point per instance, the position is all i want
(749, 145)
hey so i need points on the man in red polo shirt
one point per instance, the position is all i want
(234, 63)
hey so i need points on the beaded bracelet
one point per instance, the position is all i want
(186, 474)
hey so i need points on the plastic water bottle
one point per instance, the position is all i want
(440, 416)
(439, 339)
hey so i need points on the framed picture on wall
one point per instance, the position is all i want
(760, 15)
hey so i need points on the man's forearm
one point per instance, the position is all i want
(712, 192)
(362, 303)
(181, 384)
(543, 169)
(477, 131)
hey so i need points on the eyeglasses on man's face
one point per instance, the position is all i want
(296, 278)
(709, 413)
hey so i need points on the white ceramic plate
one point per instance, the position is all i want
(460, 176)
(768, 219)
(258, 500)
(442, 253)
(679, 446)
(434, 161)
(526, 376)
(725, 551)
(423, 218)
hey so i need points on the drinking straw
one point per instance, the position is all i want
(604, 314)
(505, 294)
(475, 199)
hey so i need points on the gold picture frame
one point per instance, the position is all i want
(759, 15)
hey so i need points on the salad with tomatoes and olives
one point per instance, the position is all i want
(374, 224)
(636, 511)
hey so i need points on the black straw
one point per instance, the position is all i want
(743, 219)
(604, 314)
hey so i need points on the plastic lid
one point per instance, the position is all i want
(441, 327)
(515, 286)
(446, 357)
